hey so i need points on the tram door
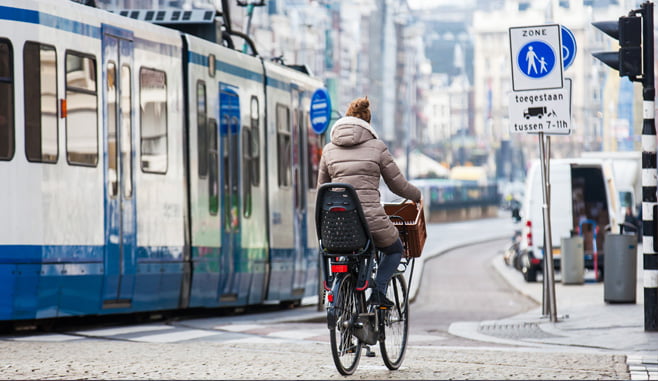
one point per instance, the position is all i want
(299, 185)
(229, 156)
(120, 211)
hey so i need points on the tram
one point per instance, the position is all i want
(147, 169)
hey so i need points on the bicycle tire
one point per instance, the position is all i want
(345, 347)
(394, 326)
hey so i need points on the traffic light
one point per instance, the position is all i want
(628, 60)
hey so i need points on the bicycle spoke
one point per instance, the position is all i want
(395, 324)
(345, 347)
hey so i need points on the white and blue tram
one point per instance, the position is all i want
(145, 169)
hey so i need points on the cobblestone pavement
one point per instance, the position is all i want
(267, 348)
(111, 359)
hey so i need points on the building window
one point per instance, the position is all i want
(40, 97)
(6, 100)
(81, 110)
(201, 123)
(153, 108)
(284, 148)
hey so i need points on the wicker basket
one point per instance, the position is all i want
(409, 218)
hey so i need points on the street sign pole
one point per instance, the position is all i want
(549, 306)
(649, 180)
(540, 104)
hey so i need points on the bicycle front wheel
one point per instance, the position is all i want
(345, 347)
(395, 324)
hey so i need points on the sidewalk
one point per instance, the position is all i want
(585, 322)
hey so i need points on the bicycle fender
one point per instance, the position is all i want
(331, 318)
(331, 309)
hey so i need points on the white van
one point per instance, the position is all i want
(627, 172)
(584, 201)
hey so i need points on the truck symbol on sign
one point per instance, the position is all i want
(534, 111)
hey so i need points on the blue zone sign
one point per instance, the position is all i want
(536, 53)
(320, 112)
(568, 47)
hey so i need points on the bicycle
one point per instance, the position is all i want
(349, 260)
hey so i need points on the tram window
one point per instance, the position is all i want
(247, 162)
(202, 138)
(284, 145)
(112, 152)
(225, 125)
(40, 102)
(232, 209)
(153, 107)
(315, 144)
(6, 101)
(81, 109)
(213, 168)
(126, 131)
(255, 142)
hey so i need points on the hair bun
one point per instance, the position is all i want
(362, 104)
(360, 108)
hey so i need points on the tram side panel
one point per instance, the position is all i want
(79, 243)
(158, 166)
(311, 148)
(51, 238)
(293, 260)
(96, 211)
(204, 173)
(229, 241)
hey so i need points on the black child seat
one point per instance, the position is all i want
(343, 233)
(340, 222)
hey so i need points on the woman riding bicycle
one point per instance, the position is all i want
(357, 157)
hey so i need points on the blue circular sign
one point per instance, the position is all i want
(320, 112)
(536, 59)
(568, 47)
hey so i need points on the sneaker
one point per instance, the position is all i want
(379, 299)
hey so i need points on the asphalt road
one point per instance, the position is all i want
(462, 285)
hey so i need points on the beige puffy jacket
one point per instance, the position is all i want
(355, 156)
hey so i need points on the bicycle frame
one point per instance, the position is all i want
(360, 266)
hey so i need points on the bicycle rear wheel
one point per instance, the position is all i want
(345, 347)
(395, 324)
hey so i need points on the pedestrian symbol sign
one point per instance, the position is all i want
(536, 57)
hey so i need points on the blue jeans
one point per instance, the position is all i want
(388, 264)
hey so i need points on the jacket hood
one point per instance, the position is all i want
(350, 131)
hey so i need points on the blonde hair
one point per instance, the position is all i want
(359, 108)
